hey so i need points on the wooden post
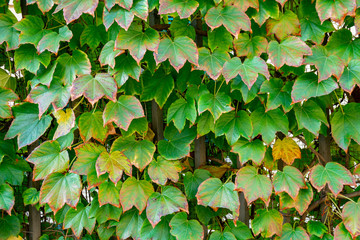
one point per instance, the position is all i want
(157, 121)
(244, 209)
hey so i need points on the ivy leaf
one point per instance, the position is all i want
(176, 145)
(27, 58)
(123, 111)
(9, 227)
(345, 125)
(302, 201)
(65, 120)
(213, 193)
(341, 232)
(351, 217)
(310, 116)
(27, 125)
(213, 62)
(230, 17)
(246, 46)
(48, 158)
(254, 150)
(170, 200)
(6, 96)
(130, 224)
(114, 163)
(247, 94)
(137, 41)
(192, 181)
(58, 189)
(183, 8)
(253, 185)
(350, 77)
(108, 54)
(135, 193)
(317, 228)
(93, 35)
(286, 25)
(268, 123)
(290, 180)
(178, 51)
(8, 33)
(287, 150)
(267, 8)
(336, 11)
(325, 62)
(216, 104)
(249, 70)
(72, 66)
(267, 222)
(91, 126)
(109, 193)
(78, 219)
(7, 199)
(140, 153)
(307, 86)
(334, 174)
(217, 235)
(298, 233)
(243, 4)
(182, 228)
(51, 40)
(44, 5)
(122, 16)
(233, 125)
(12, 168)
(94, 88)
(205, 123)
(182, 27)
(219, 38)
(31, 28)
(127, 4)
(73, 9)
(31, 196)
(180, 110)
(278, 94)
(290, 52)
(125, 66)
(161, 170)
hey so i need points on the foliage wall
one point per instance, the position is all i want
(259, 103)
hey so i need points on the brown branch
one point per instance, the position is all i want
(317, 154)
(217, 160)
(161, 27)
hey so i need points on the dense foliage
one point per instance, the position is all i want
(180, 119)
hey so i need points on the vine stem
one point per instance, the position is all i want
(341, 108)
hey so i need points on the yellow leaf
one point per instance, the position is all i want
(15, 238)
(66, 121)
(217, 172)
(287, 150)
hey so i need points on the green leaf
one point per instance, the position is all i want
(27, 58)
(6, 96)
(180, 110)
(213, 62)
(104, 232)
(58, 189)
(130, 225)
(253, 185)
(122, 16)
(342, 45)
(93, 36)
(51, 41)
(125, 66)
(290, 52)
(230, 17)
(104, 213)
(48, 158)
(91, 126)
(123, 111)
(138, 125)
(176, 145)
(268, 123)
(307, 86)
(71, 66)
(7, 199)
(8, 33)
(73, 9)
(290, 180)
(341, 232)
(140, 153)
(333, 174)
(267, 8)
(183, 7)
(267, 222)
(278, 94)
(286, 24)
(213, 193)
(336, 11)
(241, 231)
(234, 125)
(217, 235)
(205, 123)
(192, 181)
(248, 70)
(254, 150)
(185, 229)
(326, 63)
(170, 200)
(31, 196)
(350, 77)
(219, 38)
(297, 233)
(78, 219)
(317, 228)
(137, 41)
(27, 125)
(345, 124)
(161, 170)
(182, 27)
(217, 104)
(12, 169)
(114, 163)
(309, 115)
(9, 227)
(301, 203)
(31, 28)
(109, 193)
(247, 46)
(94, 88)
(178, 51)
(247, 94)
(108, 54)
(65, 120)
(44, 5)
